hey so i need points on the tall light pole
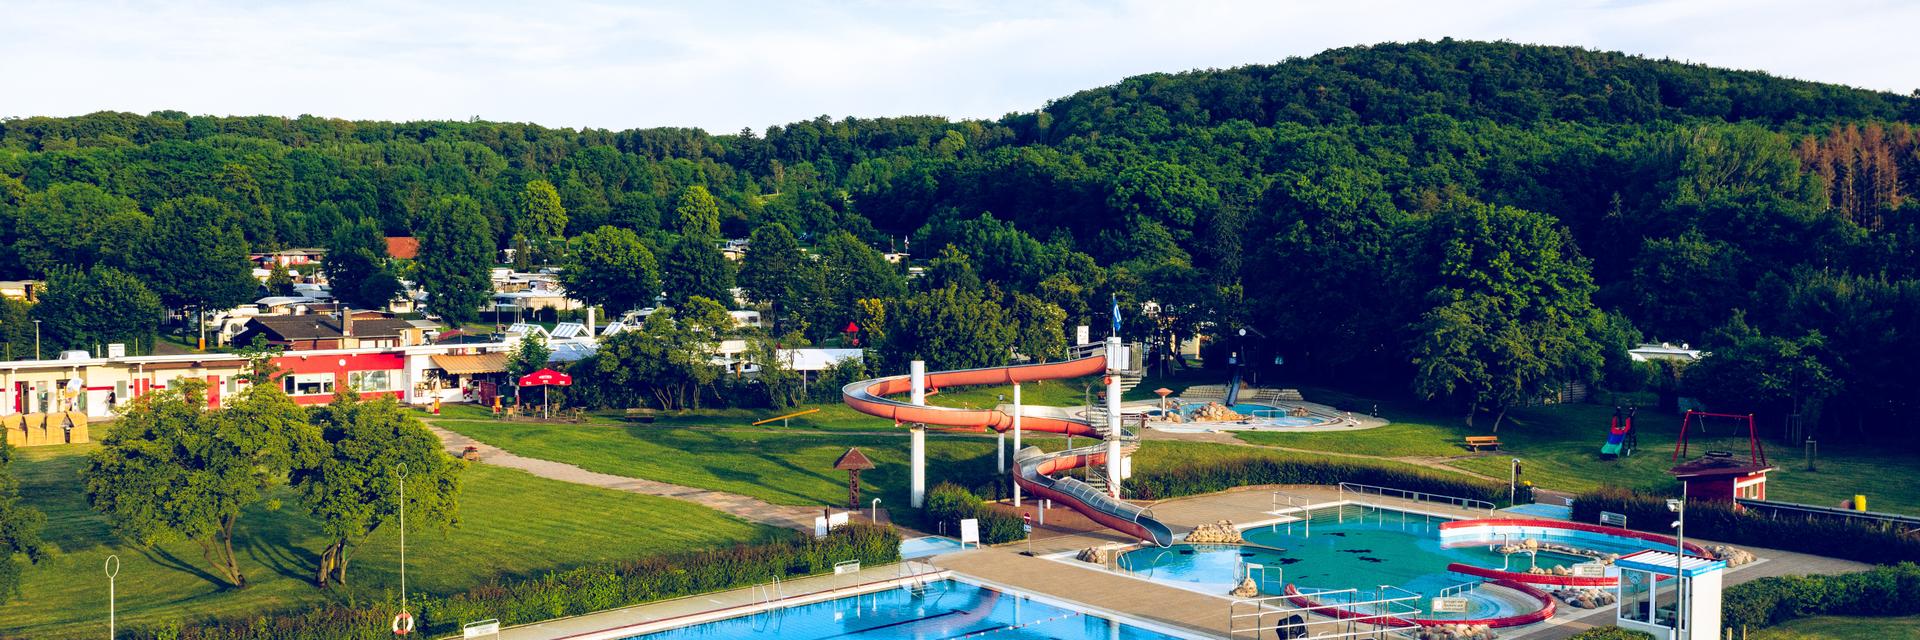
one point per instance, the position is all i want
(36, 339)
(113, 570)
(401, 475)
(1680, 556)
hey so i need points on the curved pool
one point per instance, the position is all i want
(1257, 414)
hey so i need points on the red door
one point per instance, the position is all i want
(213, 391)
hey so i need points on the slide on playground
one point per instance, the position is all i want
(1618, 434)
(1033, 469)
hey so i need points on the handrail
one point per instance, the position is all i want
(1422, 496)
(1293, 500)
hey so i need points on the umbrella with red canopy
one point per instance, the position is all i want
(544, 378)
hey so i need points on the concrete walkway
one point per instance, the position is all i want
(747, 508)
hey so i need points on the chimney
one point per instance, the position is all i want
(590, 323)
(346, 321)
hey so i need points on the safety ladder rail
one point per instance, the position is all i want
(1247, 617)
(1293, 500)
(1417, 496)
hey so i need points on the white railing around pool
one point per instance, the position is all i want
(1407, 494)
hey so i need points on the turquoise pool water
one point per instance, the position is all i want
(1352, 547)
(924, 546)
(945, 609)
(1261, 414)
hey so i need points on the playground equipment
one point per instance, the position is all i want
(783, 419)
(1621, 439)
(1033, 469)
(1755, 451)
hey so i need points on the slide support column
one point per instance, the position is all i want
(1114, 365)
(1016, 441)
(918, 494)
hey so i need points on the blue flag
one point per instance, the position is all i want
(1116, 314)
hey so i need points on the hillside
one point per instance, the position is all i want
(1434, 216)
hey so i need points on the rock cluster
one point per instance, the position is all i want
(1733, 556)
(1456, 632)
(1298, 412)
(1221, 532)
(1216, 412)
(1095, 555)
(1585, 598)
(1247, 589)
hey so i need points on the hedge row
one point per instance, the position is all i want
(1610, 633)
(950, 503)
(562, 593)
(1721, 522)
(1881, 591)
(1223, 474)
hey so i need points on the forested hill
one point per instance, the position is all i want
(1477, 222)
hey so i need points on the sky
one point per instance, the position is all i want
(723, 66)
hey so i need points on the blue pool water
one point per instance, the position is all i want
(1260, 414)
(944, 609)
(1372, 547)
(924, 546)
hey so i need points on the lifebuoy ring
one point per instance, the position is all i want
(1105, 380)
(402, 624)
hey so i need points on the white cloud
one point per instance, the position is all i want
(615, 65)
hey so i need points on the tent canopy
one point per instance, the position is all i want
(545, 377)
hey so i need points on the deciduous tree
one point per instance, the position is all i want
(352, 487)
(456, 252)
(612, 268)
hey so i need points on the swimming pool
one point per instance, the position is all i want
(1346, 547)
(924, 546)
(1257, 414)
(943, 609)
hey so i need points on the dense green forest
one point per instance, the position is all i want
(1472, 222)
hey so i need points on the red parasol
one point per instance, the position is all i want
(545, 377)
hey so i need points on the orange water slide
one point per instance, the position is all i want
(1033, 469)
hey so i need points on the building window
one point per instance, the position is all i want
(365, 381)
(1749, 491)
(309, 384)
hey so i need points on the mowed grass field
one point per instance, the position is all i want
(1559, 448)
(1837, 628)
(511, 523)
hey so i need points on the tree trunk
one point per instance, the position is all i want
(232, 563)
(1499, 415)
(341, 563)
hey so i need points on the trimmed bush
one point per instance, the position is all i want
(562, 593)
(1721, 522)
(1610, 633)
(950, 503)
(1881, 591)
(1220, 475)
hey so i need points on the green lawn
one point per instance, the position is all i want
(510, 523)
(782, 468)
(1837, 628)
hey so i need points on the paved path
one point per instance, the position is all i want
(748, 508)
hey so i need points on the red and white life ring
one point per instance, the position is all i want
(402, 624)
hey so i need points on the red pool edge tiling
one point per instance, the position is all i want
(1547, 606)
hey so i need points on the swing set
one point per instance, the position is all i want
(1755, 451)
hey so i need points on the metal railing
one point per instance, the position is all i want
(1293, 500)
(1355, 614)
(1418, 496)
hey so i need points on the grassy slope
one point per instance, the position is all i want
(1837, 628)
(511, 523)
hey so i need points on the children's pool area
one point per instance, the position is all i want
(925, 546)
(1257, 416)
(942, 609)
(1364, 549)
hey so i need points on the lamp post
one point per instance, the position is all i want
(401, 475)
(36, 339)
(1680, 548)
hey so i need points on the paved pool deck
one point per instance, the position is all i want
(1208, 614)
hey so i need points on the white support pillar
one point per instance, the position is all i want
(917, 374)
(591, 325)
(1115, 360)
(1017, 410)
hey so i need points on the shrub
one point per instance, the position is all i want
(950, 503)
(1881, 591)
(1610, 633)
(1220, 475)
(563, 593)
(1721, 522)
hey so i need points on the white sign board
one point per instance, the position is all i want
(481, 629)
(1126, 467)
(1080, 335)
(1613, 519)
(1590, 570)
(819, 526)
(837, 520)
(842, 568)
(969, 532)
(1449, 605)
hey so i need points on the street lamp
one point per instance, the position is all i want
(36, 339)
(113, 571)
(1680, 547)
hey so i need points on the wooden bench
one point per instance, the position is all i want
(1474, 443)
(642, 416)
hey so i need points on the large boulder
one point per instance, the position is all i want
(1222, 532)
